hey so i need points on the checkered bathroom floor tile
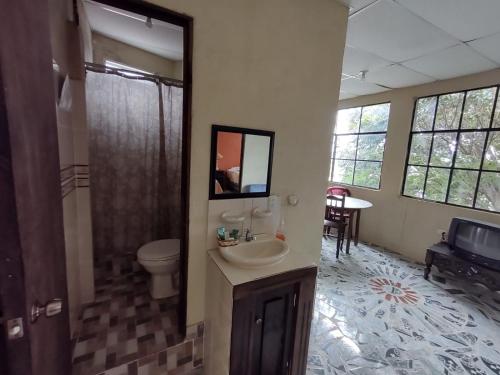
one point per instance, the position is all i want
(124, 324)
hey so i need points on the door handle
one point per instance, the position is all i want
(51, 308)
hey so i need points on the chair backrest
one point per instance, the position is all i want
(335, 207)
(338, 190)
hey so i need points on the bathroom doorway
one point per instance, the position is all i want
(137, 83)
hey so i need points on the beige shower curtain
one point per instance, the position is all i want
(135, 143)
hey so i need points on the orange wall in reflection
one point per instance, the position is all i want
(229, 146)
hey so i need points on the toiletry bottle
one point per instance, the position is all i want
(221, 233)
(280, 233)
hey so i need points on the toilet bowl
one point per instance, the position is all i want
(161, 259)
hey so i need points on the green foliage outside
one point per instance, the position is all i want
(358, 156)
(467, 150)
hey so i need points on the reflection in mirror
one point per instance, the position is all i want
(240, 162)
(228, 165)
(255, 162)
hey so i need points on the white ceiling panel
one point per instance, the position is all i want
(162, 38)
(452, 62)
(358, 87)
(489, 47)
(346, 95)
(464, 19)
(357, 60)
(396, 76)
(356, 5)
(389, 30)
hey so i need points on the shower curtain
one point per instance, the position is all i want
(135, 143)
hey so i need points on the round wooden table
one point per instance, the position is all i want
(353, 206)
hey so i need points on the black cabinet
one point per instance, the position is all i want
(271, 324)
(273, 330)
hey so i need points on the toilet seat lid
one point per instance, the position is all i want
(160, 250)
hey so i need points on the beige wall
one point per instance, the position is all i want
(71, 126)
(271, 65)
(105, 48)
(85, 33)
(398, 223)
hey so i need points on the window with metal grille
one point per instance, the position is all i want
(358, 145)
(454, 149)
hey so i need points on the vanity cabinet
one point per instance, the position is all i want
(271, 323)
(258, 321)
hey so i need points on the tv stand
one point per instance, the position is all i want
(445, 259)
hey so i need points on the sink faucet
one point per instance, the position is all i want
(249, 236)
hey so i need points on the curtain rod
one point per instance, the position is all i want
(99, 68)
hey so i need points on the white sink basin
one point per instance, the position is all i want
(255, 254)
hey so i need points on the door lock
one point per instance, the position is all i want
(51, 308)
(15, 328)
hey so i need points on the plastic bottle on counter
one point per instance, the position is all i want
(280, 233)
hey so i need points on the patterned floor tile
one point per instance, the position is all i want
(375, 314)
(124, 324)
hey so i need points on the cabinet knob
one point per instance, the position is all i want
(258, 321)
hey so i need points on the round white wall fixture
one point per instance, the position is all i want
(293, 200)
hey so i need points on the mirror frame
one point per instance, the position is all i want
(213, 161)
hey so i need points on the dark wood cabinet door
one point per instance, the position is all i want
(271, 324)
(273, 331)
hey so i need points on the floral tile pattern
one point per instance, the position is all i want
(375, 314)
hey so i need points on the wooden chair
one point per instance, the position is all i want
(335, 218)
(338, 190)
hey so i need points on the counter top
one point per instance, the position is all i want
(237, 275)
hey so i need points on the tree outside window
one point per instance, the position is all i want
(358, 145)
(454, 149)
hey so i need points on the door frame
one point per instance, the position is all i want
(186, 22)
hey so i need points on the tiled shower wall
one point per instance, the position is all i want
(73, 156)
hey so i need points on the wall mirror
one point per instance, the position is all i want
(241, 161)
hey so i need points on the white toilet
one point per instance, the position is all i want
(161, 259)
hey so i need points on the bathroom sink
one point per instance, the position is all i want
(255, 254)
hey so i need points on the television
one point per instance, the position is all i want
(476, 241)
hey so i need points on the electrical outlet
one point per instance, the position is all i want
(443, 234)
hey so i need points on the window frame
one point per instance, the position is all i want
(357, 134)
(459, 130)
